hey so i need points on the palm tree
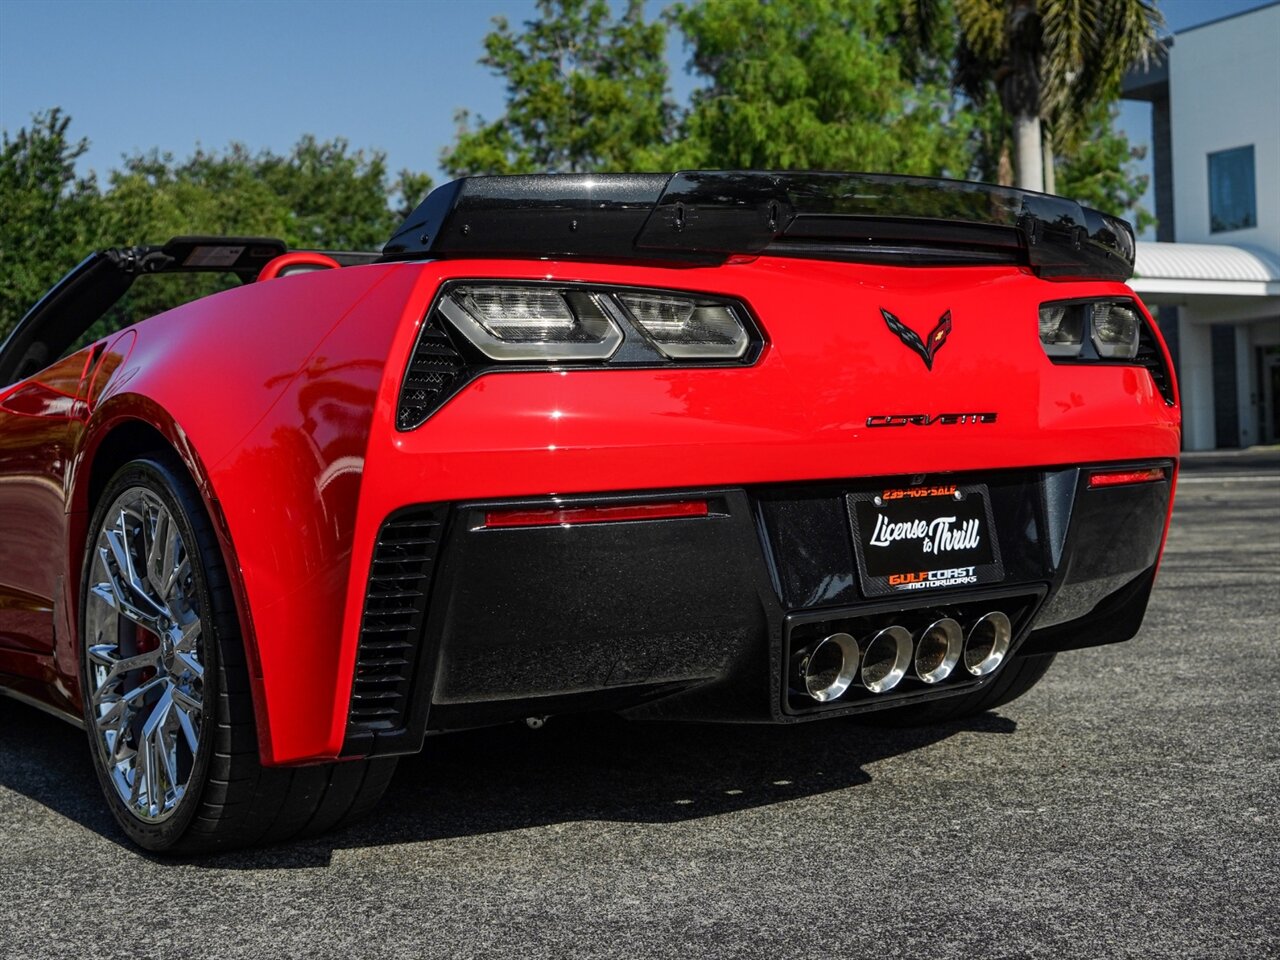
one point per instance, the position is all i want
(1049, 61)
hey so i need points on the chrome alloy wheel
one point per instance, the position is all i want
(144, 654)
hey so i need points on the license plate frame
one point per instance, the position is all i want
(924, 537)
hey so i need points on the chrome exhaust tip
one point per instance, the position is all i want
(827, 669)
(938, 648)
(987, 643)
(886, 659)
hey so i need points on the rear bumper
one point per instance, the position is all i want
(698, 617)
(808, 415)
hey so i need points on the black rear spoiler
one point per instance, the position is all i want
(709, 216)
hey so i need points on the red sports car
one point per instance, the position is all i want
(728, 446)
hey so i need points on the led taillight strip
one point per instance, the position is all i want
(1120, 478)
(568, 516)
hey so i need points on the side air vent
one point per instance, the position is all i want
(1151, 357)
(435, 371)
(391, 628)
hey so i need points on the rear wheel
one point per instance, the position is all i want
(166, 687)
(1018, 676)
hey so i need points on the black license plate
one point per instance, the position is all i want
(924, 538)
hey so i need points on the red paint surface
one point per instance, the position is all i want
(280, 398)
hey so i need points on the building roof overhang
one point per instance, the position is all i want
(1204, 269)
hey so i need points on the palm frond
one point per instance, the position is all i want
(982, 27)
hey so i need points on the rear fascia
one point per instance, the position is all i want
(797, 414)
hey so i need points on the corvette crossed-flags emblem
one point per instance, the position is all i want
(928, 348)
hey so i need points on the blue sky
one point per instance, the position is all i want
(385, 74)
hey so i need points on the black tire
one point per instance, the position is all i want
(1021, 674)
(230, 799)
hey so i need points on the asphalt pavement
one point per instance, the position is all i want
(1126, 807)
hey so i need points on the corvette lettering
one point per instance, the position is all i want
(929, 420)
(935, 536)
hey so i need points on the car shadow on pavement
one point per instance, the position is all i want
(510, 778)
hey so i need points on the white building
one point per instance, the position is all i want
(1213, 276)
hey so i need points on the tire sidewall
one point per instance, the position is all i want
(180, 497)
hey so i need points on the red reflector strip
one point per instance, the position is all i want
(1119, 478)
(573, 515)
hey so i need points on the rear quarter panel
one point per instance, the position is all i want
(264, 415)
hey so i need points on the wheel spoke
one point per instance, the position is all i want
(157, 539)
(101, 655)
(190, 665)
(174, 565)
(188, 725)
(121, 750)
(186, 700)
(117, 541)
(150, 775)
(127, 702)
(157, 733)
(136, 781)
(114, 595)
(190, 635)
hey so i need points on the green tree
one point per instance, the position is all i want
(320, 195)
(586, 91)
(154, 197)
(411, 189)
(1099, 168)
(817, 84)
(48, 215)
(1048, 61)
(336, 198)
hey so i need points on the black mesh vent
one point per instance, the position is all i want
(435, 372)
(391, 628)
(1151, 357)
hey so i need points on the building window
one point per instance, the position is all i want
(1232, 198)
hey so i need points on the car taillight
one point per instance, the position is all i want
(539, 322)
(1104, 330)
(1061, 329)
(1114, 328)
(572, 516)
(532, 323)
(482, 326)
(687, 327)
(1090, 329)
(1120, 478)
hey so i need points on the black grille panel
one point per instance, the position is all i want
(391, 627)
(1151, 357)
(435, 372)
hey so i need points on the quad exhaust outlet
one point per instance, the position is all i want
(829, 666)
(886, 660)
(986, 643)
(938, 648)
(828, 669)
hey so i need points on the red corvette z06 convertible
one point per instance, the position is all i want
(728, 446)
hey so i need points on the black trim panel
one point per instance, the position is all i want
(690, 618)
(388, 654)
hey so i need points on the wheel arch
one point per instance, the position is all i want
(125, 428)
